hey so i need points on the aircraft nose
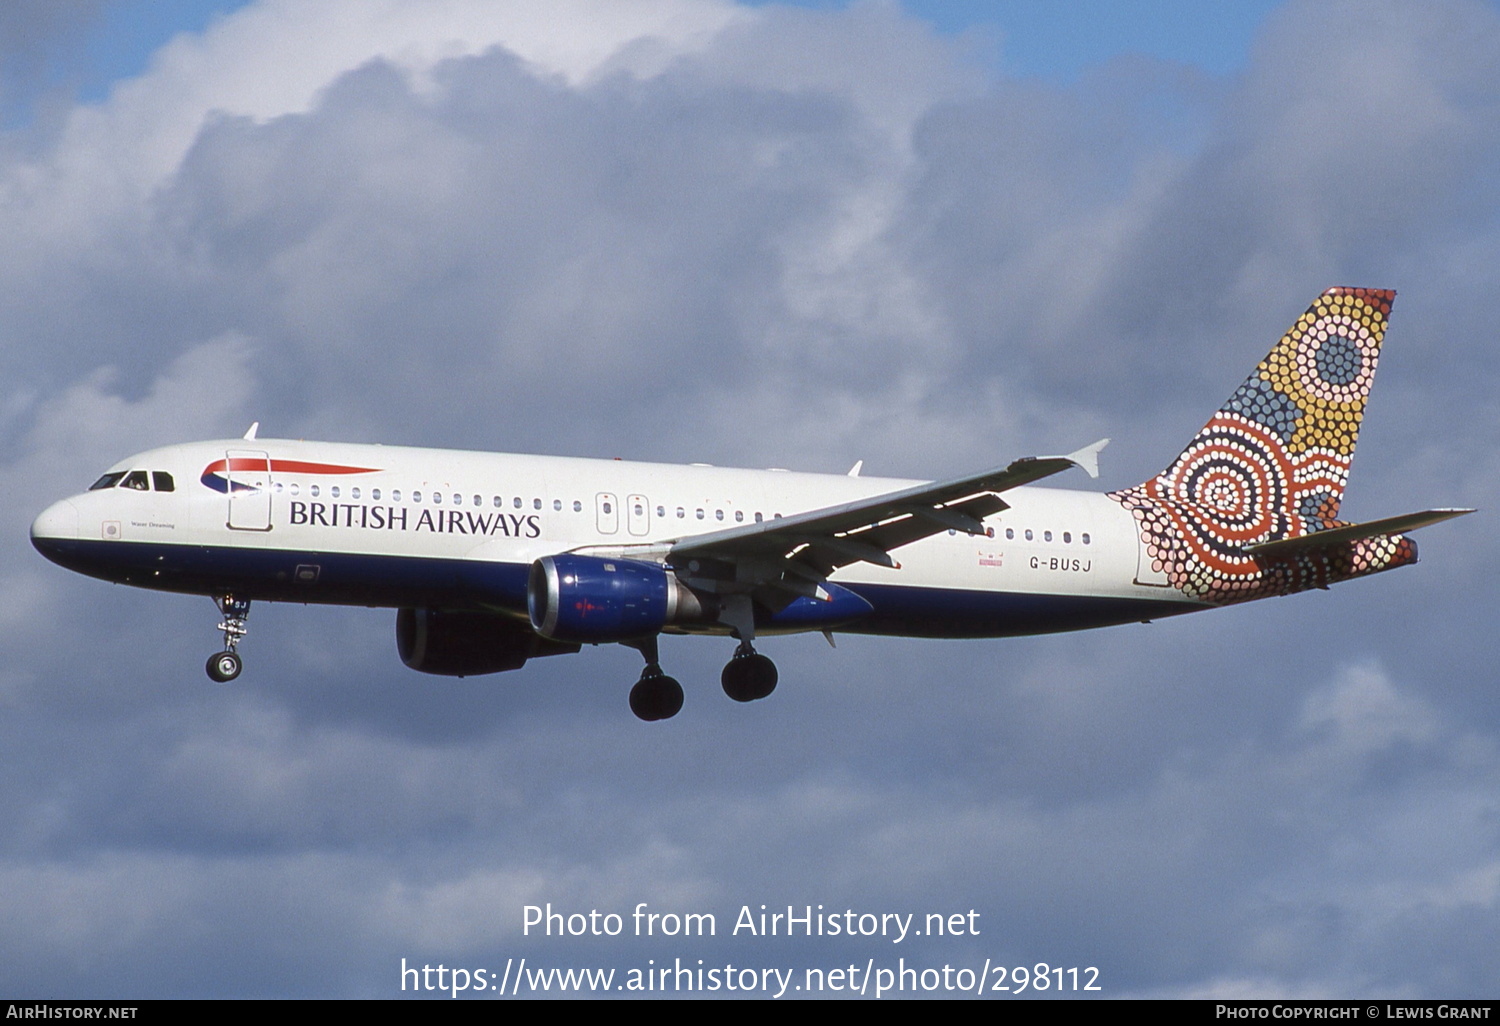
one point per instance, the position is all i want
(57, 525)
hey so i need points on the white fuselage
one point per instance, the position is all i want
(395, 526)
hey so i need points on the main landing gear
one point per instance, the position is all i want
(226, 665)
(655, 696)
(747, 677)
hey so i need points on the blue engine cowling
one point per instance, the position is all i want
(580, 599)
(587, 599)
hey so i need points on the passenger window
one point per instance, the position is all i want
(416, 496)
(557, 505)
(700, 514)
(739, 516)
(375, 494)
(577, 506)
(294, 488)
(1085, 537)
(1067, 537)
(354, 493)
(661, 511)
(608, 509)
(681, 512)
(334, 491)
(498, 502)
(1046, 536)
(758, 518)
(536, 503)
(107, 481)
(718, 514)
(518, 502)
(136, 479)
(1028, 534)
(478, 501)
(162, 481)
(1010, 534)
(312, 490)
(395, 494)
(437, 498)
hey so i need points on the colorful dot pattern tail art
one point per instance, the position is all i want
(1272, 464)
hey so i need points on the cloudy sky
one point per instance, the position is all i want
(930, 236)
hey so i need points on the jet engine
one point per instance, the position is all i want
(588, 599)
(461, 643)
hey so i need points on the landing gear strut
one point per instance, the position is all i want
(655, 696)
(226, 665)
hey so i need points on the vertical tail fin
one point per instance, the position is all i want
(1272, 463)
(1294, 422)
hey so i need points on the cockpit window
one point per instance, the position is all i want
(107, 481)
(162, 481)
(136, 479)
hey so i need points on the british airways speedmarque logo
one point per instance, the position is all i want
(217, 474)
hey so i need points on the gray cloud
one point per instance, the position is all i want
(38, 49)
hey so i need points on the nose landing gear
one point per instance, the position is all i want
(226, 665)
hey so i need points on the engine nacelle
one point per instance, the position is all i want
(462, 643)
(588, 599)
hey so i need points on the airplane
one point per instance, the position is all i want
(494, 559)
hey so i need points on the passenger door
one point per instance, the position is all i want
(249, 474)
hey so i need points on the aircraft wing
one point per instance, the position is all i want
(794, 554)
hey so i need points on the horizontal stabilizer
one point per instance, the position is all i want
(1286, 547)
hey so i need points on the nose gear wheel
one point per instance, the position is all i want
(224, 667)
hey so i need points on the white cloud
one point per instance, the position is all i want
(274, 58)
(1363, 714)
